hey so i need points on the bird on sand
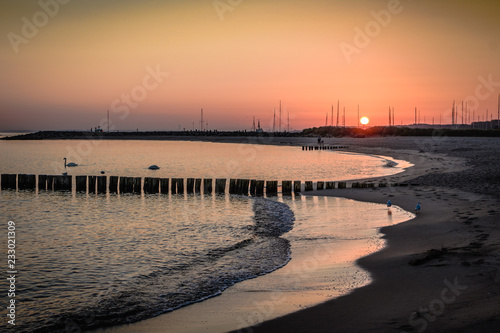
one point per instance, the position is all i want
(389, 204)
(417, 208)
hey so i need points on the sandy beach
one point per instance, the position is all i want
(439, 272)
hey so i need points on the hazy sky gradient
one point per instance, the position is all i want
(91, 53)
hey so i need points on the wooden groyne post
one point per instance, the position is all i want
(9, 182)
(180, 185)
(50, 183)
(253, 186)
(323, 147)
(308, 186)
(151, 185)
(297, 186)
(286, 187)
(113, 184)
(164, 185)
(197, 185)
(126, 184)
(92, 183)
(102, 184)
(81, 184)
(63, 183)
(26, 182)
(177, 186)
(220, 186)
(242, 186)
(173, 189)
(259, 187)
(155, 184)
(207, 186)
(232, 186)
(271, 188)
(42, 182)
(137, 185)
(190, 185)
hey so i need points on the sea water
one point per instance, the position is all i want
(183, 159)
(88, 261)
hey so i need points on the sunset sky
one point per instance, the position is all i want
(154, 64)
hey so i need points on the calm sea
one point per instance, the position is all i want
(88, 261)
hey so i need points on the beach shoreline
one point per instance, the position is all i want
(438, 272)
(456, 226)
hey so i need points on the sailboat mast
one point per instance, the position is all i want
(274, 120)
(331, 120)
(358, 115)
(280, 118)
(338, 111)
(201, 120)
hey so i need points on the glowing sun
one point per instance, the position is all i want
(364, 120)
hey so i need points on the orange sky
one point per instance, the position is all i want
(238, 60)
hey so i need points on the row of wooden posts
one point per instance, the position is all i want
(101, 184)
(322, 147)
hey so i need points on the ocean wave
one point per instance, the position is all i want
(272, 218)
(171, 287)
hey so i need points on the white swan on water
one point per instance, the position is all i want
(70, 164)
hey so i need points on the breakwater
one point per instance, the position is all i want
(149, 185)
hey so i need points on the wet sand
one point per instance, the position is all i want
(439, 272)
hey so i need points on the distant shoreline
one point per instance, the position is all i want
(325, 132)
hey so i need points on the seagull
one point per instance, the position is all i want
(389, 204)
(153, 167)
(70, 164)
(417, 208)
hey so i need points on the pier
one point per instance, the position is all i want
(167, 186)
